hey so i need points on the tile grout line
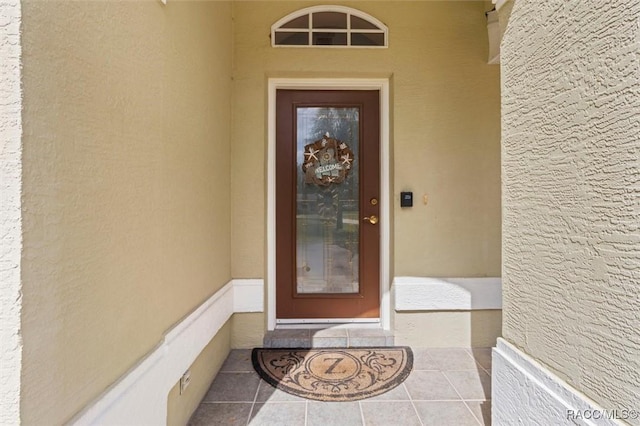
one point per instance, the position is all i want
(226, 402)
(461, 369)
(255, 397)
(415, 410)
(463, 400)
(429, 358)
(361, 413)
(306, 412)
(480, 421)
(452, 386)
(259, 402)
(364, 401)
(470, 351)
(485, 370)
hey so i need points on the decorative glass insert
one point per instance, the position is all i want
(300, 22)
(292, 39)
(329, 39)
(358, 39)
(329, 26)
(361, 24)
(327, 200)
(330, 20)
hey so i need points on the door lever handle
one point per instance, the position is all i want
(373, 219)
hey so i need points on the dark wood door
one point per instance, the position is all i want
(327, 204)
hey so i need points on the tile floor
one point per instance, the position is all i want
(446, 387)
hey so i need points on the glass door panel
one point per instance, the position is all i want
(327, 200)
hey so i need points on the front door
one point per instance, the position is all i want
(327, 204)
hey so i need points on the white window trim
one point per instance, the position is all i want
(382, 28)
(380, 84)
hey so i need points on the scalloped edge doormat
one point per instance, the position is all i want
(334, 374)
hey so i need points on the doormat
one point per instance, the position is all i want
(334, 374)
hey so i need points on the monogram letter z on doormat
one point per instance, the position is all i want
(334, 374)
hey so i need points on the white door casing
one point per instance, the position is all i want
(380, 84)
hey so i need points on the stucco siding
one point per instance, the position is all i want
(571, 161)
(126, 187)
(10, 215)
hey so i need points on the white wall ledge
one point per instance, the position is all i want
(140, 396)
(248, 295)
(447, 294)
(525, 392)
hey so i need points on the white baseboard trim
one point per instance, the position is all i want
(447, 294)
(524, 392)
(140, 396)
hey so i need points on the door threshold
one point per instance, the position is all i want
(315, 323)
(328, 336)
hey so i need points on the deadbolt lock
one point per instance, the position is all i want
(373, 201)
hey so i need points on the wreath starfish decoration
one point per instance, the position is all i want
(327, 161)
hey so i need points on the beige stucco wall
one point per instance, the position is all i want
(445, 137)
(445, 329)
(571, 155)
(126, 186)
(247, 330)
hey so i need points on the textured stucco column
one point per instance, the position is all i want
(571, 161)
(10, 215)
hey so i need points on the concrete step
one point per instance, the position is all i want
(334, 337)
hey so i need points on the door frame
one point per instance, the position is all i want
(380, 84)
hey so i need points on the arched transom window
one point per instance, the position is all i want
(329, 26)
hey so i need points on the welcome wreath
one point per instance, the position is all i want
(327, 161)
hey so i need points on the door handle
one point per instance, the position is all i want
(373, 219)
